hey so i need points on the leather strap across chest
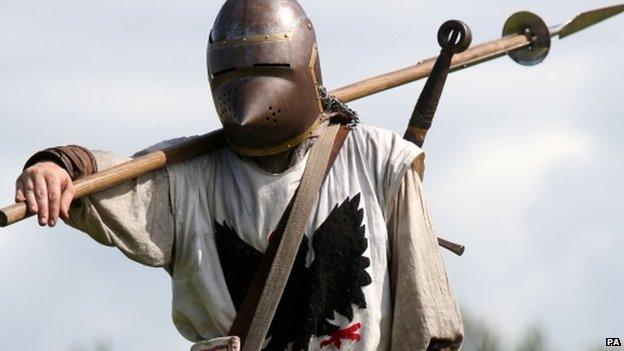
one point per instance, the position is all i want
(267, 286)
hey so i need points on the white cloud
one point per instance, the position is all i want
(501, 177)
(487, 195)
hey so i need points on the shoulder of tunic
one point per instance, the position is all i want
(383, 142)
(385, 157)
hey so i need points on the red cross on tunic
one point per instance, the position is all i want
(349, 333)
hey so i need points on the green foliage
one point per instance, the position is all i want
(533, 340)
(481, 336)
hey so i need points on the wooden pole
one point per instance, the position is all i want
(127, 171)
(473, 56)
(214, 140)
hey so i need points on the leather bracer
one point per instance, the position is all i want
(76, 160)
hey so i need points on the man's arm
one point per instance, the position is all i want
(46, 182)
(134, 216)
(426, 314)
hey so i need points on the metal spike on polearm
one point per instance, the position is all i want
(584, 20)
(526, 39)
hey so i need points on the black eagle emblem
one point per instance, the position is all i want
(333, 281)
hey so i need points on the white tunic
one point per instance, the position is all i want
(222, 211)
(369, 168)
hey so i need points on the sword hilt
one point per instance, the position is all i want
(454, 37)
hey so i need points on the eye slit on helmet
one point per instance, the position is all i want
(224, 71)
(282, 65)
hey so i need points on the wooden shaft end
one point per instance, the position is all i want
(12, 214)
(455, 248)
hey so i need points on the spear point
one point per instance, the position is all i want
(585, 20)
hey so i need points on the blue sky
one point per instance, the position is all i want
(524, 164)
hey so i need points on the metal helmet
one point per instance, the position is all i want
(264, 74)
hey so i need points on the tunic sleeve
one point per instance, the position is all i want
(135, 216)
(426, 315)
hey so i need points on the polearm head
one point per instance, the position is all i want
(531, 24)
(584, 20)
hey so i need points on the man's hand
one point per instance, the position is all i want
(47, 190)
